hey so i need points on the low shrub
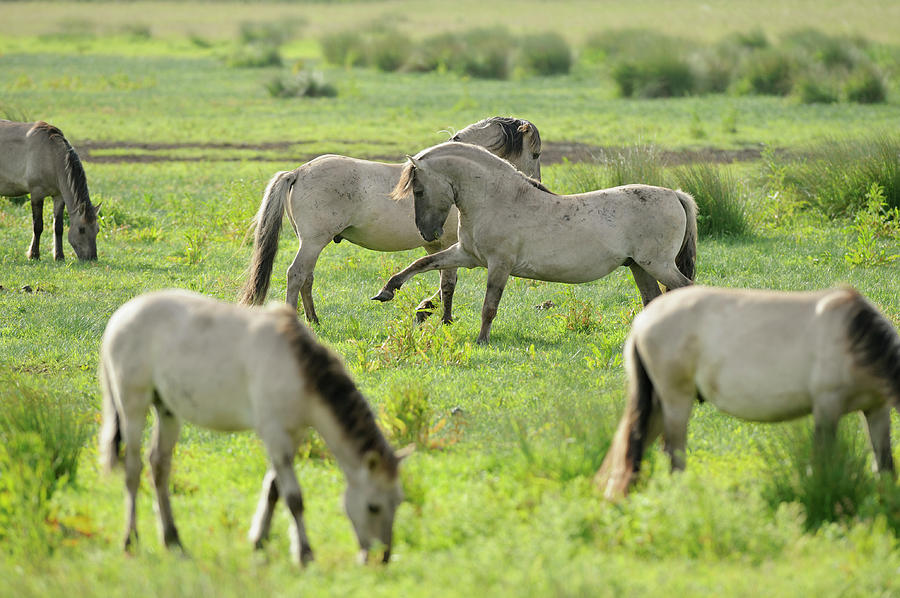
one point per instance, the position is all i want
(305, 84)
(866, 86)
(253, 56)
(345, 48)
(406, 415)
(768, 72)
(815, 90)
(389, 50)
(656, 76)
(721, 209)
(487, 53)
(545, 54)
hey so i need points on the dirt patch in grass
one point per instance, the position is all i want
(280, 151)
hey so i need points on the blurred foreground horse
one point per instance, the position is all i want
(336, 197)
(227, 367)
(758, 355)
(36, 159)
(514, 226)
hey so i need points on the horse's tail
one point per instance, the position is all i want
(265, 240)
(111, 430)
(875, 344)
(687, 257)
(622, 463)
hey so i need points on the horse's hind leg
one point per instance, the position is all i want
(646, 284)
(676, 410)
(262, 519)
(58, 207)
(37, 222)
(165, 435)
(281, 454)
(879, 424)
(132, 431)
(300, 276)
(668, 274)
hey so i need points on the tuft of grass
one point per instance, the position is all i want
(406, 415)
(389, 50)
(41, 437)
(768, 72)
(254, 56)
(487, 53)
(635, 164)
(721, 209)
(345, 48)
(831, 482)
(872, 229)
(545, 54)
(866, 86)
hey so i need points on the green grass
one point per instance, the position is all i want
(500, 497)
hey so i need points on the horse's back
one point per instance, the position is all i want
(209, 362)
(760, 355)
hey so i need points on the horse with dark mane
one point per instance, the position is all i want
(335, 198)
(762, 356)
(36, 159)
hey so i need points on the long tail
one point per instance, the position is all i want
(111, 431)
(265, 240)
(622, 464)
(875, 344)
(687, 257)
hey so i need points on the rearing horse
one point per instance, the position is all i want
(515, 226)
(336, 198)
(36, 159)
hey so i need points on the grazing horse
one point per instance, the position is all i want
(515, 226)
(336, 197)
(36, 159)
(226, 367)
(758, 355)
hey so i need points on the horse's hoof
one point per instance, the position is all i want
(384, 295)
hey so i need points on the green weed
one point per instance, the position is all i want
(721, 209)
(872, 229)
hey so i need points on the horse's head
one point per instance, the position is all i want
(83, 229)
(432, 197)
(371, 499)
(513, 139)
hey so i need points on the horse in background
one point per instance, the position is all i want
(514, 226)
(762, 356)
(36, 159)
(333, 198)
(226, 367)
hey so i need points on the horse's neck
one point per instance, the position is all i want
(472, 193)
(349, 438)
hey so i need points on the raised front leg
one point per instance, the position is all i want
(58, 207)
(165, 435)
(452, 257)
(879, 424)
(37, 223)
(498, 274)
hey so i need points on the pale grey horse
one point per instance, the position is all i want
(336, 198)
(762, 356)
(228, 367)
(514, 226)
(36, 159)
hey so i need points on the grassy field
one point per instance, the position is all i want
(179, 147)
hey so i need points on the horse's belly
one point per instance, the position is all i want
(755, 399)
(213, 400)
(9, 188)
(566, 271)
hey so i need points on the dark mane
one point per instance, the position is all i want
(75, 176)
(509, 143)
(327, 376)
(404, 185)
(874, 343)
(537, 184)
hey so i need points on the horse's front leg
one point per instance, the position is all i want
(452, 257)
(58, 207)
(37, 222)
(498, 274)
(262, 520)
(879, 425)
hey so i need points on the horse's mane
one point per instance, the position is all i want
(874, 342)
(326, 374)
(509, 143)
(75, 176)
(404, 186)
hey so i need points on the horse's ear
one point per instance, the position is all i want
(405, 452)
(413, 161)
(97, 209)
(525, 128)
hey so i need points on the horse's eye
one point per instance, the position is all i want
(374, 509)
(536, 156)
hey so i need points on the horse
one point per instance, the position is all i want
(337, 197)
(228, 367)
(514, 226)
(36, 159)
(762, 356)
